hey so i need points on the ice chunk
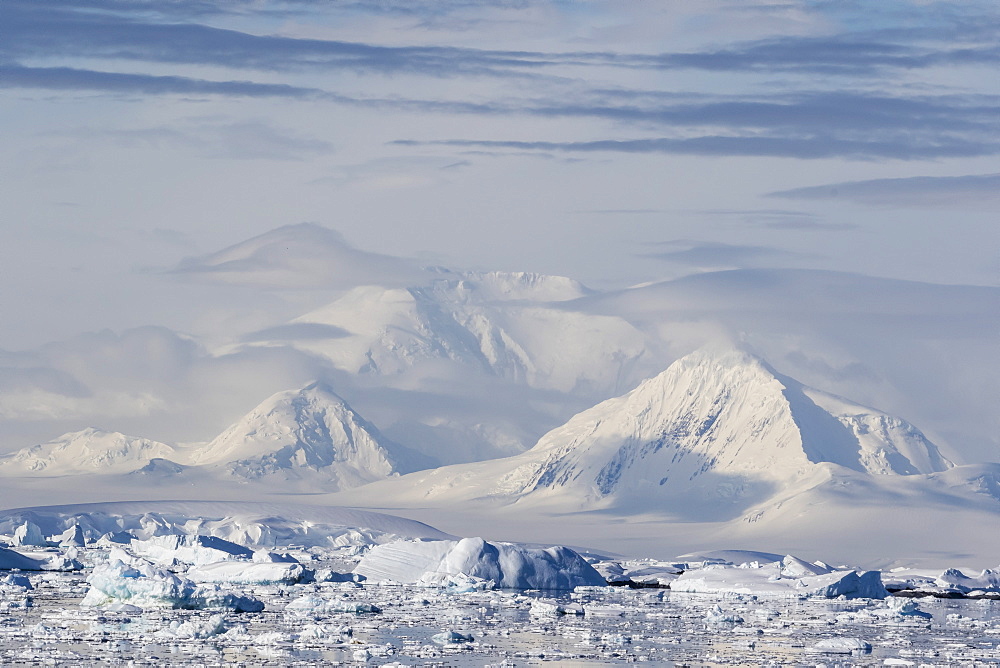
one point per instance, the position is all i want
(243, 572)
(72, 537)
(37, 561)
(16, 580)
(451, 637)
(196, 550)
(195, 629)
(29, 534)
(905, 607)
(507, 564)
(841, 646)
(549, 608)
(313, 605)
(265, 557)
(150, 587)
(716, 615)
(793, 567)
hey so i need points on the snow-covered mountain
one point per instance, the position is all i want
(87, 451)
(517, 326)
(308, 434)
(711, 436)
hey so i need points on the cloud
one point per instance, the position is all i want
(815, 147)
(243, 140)
(69, 78)
(717, 255)
(171, 33)
(299, 256)
(130, 36)
(955, 192)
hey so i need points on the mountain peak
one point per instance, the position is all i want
(89, 450)
(307, 433)
(721, 424)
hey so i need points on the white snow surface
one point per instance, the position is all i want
(505, 564)
(90, 450)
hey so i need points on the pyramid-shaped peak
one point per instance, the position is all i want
(720, 422)
(307, 433)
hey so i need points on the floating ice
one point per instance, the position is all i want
(243, 572)
(841, 646)
(451, 638)
(549, 608)
(72, 537)
(37, 561)
(195, 550)
(16, 580)
(508, 565)
(770, 580)
(988, 580)
(196, 629)
(313, 605)
(29, 534)
(150, 587)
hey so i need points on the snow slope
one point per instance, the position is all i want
(310, 432)
(87, 451)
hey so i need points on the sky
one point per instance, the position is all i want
(617, 143)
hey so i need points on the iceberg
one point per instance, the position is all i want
(988, 580)
(195, 550)
(315, 606)
(242, 572)
(508, 565)
(37, 561)
(790, 577)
